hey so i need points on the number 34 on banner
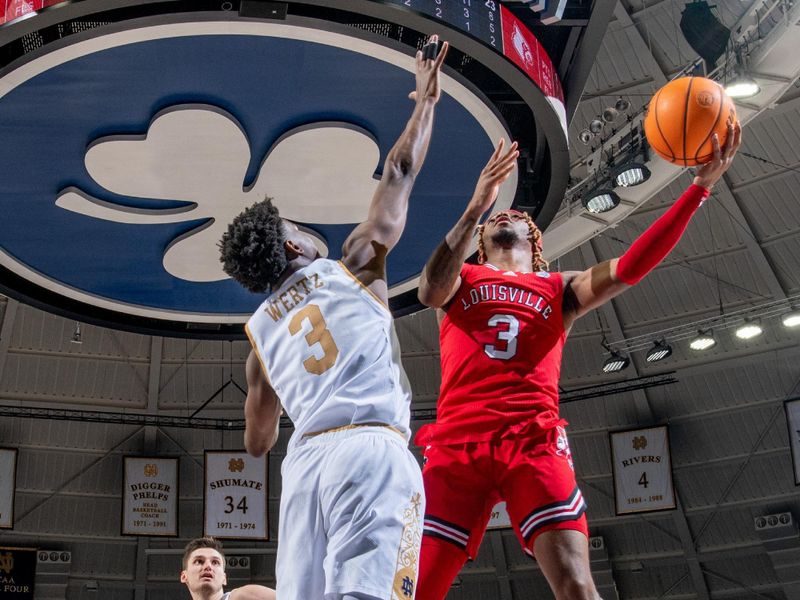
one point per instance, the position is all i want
(642, 470)
(236, 495)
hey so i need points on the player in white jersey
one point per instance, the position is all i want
(203, 573)
(324, 348)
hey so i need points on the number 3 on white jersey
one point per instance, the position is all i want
(509, 336)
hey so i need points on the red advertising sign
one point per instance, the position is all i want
(523, 49)
(14, 9)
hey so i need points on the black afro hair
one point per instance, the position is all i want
(252, 251)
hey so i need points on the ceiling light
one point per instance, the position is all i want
(600, 200)
(660, 350)
(76, 335)
(631, 174)
(703, 341)
(742, 86)
(622, 105)
(791, 319)
(585, 136)
(610, 114)
(596, 126)
(749, 330)
(616, 362)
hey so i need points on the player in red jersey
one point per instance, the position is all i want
(498, 434)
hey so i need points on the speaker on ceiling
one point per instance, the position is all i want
(705, 34)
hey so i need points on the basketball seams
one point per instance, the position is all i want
(712, 129)
(654, 103)
(686, 119)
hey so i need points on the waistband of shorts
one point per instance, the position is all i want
(335, 432)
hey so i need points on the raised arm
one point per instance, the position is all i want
(364, 252)
(262, 410)
(595, 286)
(441, 276)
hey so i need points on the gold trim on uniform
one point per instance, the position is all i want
(405, 578)
(355, 426)
(257, 353)
(361, 283)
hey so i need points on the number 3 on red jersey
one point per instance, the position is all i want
(508, 335)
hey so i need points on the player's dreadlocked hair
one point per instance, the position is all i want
(251, 251)
(534, 237)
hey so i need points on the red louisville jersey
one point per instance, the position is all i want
(501, 341)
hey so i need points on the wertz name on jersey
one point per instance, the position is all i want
(293, 296)
(507, 293)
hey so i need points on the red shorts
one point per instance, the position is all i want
(533, 474)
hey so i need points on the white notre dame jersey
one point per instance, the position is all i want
(328, 348)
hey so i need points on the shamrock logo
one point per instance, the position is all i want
(199, 154)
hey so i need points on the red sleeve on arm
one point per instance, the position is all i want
(660, 238)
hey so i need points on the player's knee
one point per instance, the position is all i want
(576, 586)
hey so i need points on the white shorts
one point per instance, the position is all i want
(350, 517)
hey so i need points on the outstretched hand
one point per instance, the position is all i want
(711, 172)
(496, 171)
(428, 69)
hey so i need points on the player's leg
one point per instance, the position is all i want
(372, 501)
(547, 510)
(563, 556)
(440, 562)
(459, 496)
(299, 565)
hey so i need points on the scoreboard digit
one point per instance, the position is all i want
(479, 18)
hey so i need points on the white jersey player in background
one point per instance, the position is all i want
(324, 348)
(203, 574)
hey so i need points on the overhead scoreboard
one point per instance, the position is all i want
(480, 18)
(496, 26)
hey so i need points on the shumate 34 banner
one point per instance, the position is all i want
(236, 495)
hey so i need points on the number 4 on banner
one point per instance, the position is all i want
(642, 470)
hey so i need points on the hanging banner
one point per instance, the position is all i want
(236, 495)
(150, 496)
(792, 408)
(642, 470)
(499, 518)
(17, 573)
(8, 484)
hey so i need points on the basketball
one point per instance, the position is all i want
(682, 117)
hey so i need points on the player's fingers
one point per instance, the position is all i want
(430, 47)
(502, 170)
(511, 150)
(737, 136)
(729, 141)
(715, 146)
(498, 149)
(442, 55)
(508, 168)
(507, 163)
(412, 96)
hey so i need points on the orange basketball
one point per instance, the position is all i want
(683, 115)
